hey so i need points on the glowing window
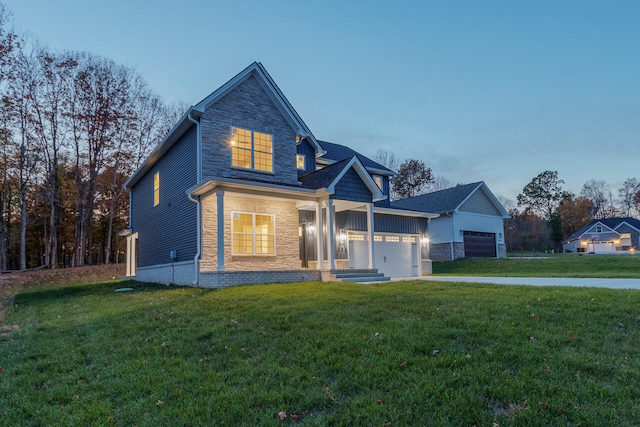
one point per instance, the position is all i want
(300, 161)
(251, 150)
(392, 238)
(356, 237)
(408, 239)
(625, 235)
(253, 233)
(156, 189)
(378, 180)
(377, 238)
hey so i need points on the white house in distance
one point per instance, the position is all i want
(470, 222)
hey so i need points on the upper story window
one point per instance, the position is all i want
(598, 229)
(378, 180)
(300, 161)
(156, 189)
(251, 150)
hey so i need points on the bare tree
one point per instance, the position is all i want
(626, 194)
(21, 90)
(440, 182)
(387, 159)
(597, 192)
(49, 97)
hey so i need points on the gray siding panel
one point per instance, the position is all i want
(172, 224)
(309, 158)
(383, 223)
(479, 203)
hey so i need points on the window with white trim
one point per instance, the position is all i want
(300, 161)
(253, 233)
(251, 150)
(156, 189)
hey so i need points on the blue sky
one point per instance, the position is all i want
(497, 91)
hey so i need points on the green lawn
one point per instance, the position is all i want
(565, 265)
(403, 353)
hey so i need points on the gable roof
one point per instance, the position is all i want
(336, 152)
(274, 92)
(195, 112)
(448, 200)
(611, 223)
(329, 176)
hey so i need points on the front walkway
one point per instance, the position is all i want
(534, 281)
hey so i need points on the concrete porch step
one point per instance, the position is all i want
(359, 276)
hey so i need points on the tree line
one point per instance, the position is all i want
(546, 214)
(73, 127)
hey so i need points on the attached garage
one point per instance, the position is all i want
(396, 255)
(479, 245)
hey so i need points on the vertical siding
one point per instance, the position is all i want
(479, 203)
(351, 187)
(172, 224)
(309, 158)
(247, 106)
(383, 223)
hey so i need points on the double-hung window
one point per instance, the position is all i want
(251, 150)
(253, 233)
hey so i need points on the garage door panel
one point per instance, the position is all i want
(479, 245)
(394, 255)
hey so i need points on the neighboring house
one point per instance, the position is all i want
(605, 236)
(470, 222)
(240, 191)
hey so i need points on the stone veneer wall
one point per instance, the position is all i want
(502, 250)
(442, 251)
(287, 255)
(427, 267)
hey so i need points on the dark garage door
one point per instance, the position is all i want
(479, 245)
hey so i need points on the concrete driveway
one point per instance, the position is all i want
(534, 281)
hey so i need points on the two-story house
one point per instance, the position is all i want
(240, 191)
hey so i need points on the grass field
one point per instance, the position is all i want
(403, 353)
(564, 265)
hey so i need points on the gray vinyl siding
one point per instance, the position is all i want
(479, 203)
(351, 187)
(309, 153)
(248, 106)
(172, 224)
(383, 223)
(635, 236)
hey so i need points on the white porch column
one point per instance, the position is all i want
(370, 228)
(220, 213)
(129, 256)
(331, 239)
(319, 237)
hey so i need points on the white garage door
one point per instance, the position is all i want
(603, 247)
(396, 255)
